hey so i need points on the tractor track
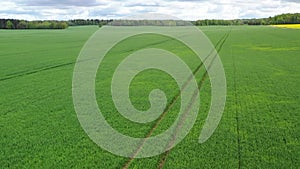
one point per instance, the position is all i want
(24, 73)
(237, 113)
(164, 157)
(171, 104)
(46, 68)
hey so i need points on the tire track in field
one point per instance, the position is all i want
(15, 75)
(37, 70)
(236, 113)
(149, 45)
(172, 103)
(164, 157)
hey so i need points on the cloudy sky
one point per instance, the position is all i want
(116, 9)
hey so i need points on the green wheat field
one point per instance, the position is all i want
(259, 128)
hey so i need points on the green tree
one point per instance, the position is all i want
(22, 25)
(9, 25)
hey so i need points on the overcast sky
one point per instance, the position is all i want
(116, 9)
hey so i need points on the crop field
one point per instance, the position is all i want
(259, 127)
(292, 26)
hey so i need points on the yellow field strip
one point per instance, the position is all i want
(293, 26)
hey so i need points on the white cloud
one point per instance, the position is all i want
(107, 9)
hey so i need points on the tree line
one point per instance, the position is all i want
(149, 23)
(23, 24)
(278, 19)
(80, 22)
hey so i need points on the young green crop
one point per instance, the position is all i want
(259, 128)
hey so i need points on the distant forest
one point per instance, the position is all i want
(278, 19)
(23, 24)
